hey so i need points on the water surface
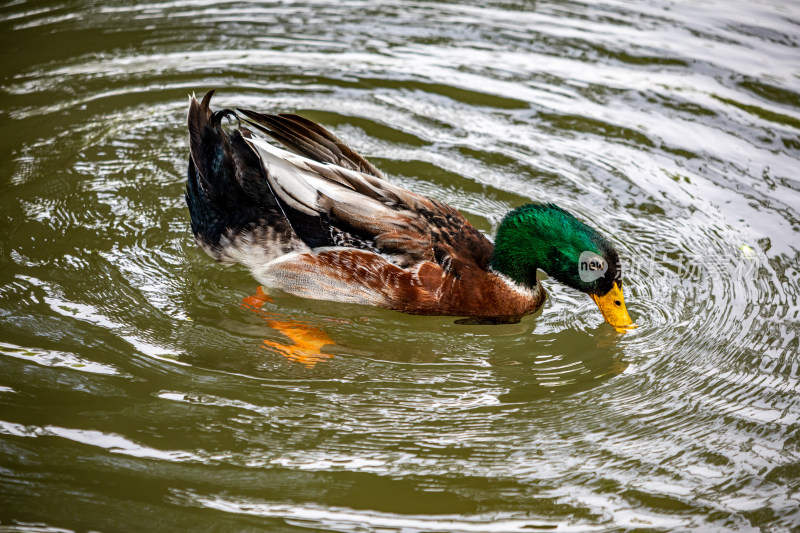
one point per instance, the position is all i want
(137, 394)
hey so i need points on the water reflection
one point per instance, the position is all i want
(530, 365)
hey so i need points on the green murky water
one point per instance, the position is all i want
(136, 394)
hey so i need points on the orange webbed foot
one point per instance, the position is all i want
(307, 340)
(256, 301)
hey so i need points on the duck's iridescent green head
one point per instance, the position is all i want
(546, 237)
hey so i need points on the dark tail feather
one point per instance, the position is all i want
(226, 190)
(199, 117)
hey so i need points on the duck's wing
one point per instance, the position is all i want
(309, 139)
(332, 205)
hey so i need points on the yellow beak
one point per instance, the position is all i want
(612, 305)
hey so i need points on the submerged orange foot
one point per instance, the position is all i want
(307, 340)
(256, 301)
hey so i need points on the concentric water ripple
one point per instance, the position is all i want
(136, 392)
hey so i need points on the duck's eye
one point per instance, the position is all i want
(617, 303)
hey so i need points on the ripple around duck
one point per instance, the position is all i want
(345, 519)
(674, 130)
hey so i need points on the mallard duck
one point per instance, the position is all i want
(319, 221)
